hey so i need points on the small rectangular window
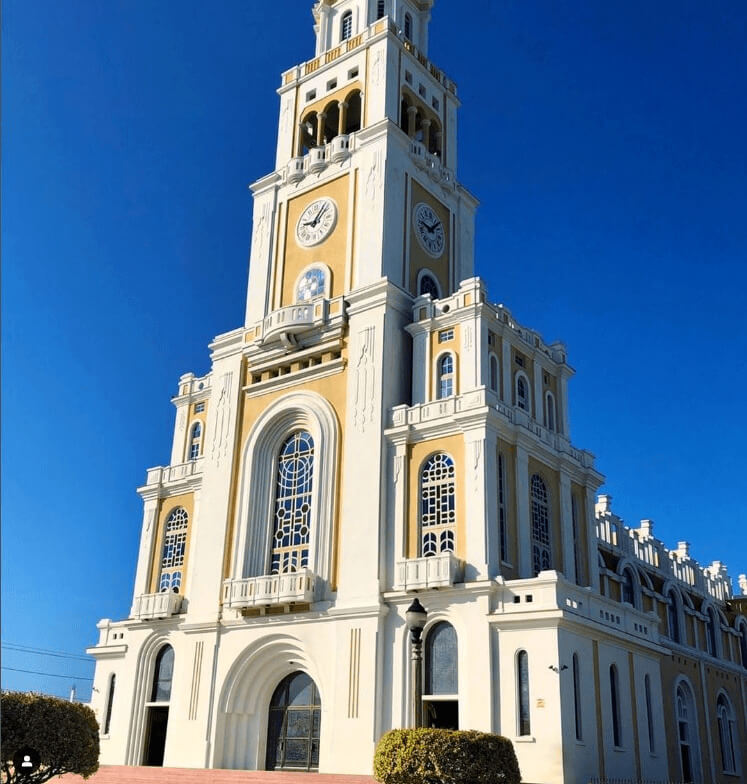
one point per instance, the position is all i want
(408, 77)
(199, 408)
(331, 85)
(353, 73)
(546, 378)
(491, 339)
(422, 90)
(310, 95)
(520, 361)
(445, 335)
(436, 104)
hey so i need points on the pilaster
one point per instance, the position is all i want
(566, 527)
(591, 538)
(523, 521)
(147, 545)
(507, 386)
(539, 401)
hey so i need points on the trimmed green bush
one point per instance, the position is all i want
(445, 757)
(66, 735)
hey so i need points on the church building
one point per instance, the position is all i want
(377, 429)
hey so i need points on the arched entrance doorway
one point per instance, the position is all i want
(293, 725)
(157, 708)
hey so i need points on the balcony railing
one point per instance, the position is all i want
(273, 589)
(156, 605)
(318, 158)
(166, 474)
(438, 571)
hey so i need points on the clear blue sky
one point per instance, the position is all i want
(606, 142)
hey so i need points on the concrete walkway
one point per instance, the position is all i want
(116, 774)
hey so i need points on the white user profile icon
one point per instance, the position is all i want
(27, 762)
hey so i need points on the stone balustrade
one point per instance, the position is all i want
(149, 606)
(268, 590)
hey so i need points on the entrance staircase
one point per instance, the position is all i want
(116, 774)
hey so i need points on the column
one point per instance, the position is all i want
(412, 112)
(401, 475)
(523, 521)
(480, 452)
(539, 402)
(299, 145)
(421, 360)
(343, 106)
(591, 538)
(427, 134)
(439, 143)
(507, 387)
(566, 527)
(321, 120)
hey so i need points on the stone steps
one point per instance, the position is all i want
(120, 774)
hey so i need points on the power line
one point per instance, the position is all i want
(50, 674)
(12, 646)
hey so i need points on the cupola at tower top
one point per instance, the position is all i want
(336, 21)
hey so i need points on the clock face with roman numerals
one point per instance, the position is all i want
(316, 223)
(429, 230)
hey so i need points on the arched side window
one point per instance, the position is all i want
(687, 733)
(174, 549)
(427, 284)
(628, 591)
(195, 441)
(408, 27)
(292, 508)
(550, 411)
(727, 733)
(380, 9)
(522, 690)
(521, 392)
(541, 553)
(712, 632)
(109, 704)
(577, 702)
(441, 661)
(615, 706)
(494, 375)
(346, 26)
(649, 714)
(445, 377)
(673, 617)
(437, 506)
(162, 675)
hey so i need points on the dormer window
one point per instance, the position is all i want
(408, 27)
(346, 26)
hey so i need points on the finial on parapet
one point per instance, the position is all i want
(604, 504)
(743, 584)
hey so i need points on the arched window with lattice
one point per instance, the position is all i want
(437, 506)
(445, 380)
(174, 550)
(195, 441)
(541, 552)
(292, 508)
(346, 26)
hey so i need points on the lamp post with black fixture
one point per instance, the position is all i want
(416, 617)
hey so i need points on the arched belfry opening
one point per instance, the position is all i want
(354, 118)
(294, 725)
(421, 124)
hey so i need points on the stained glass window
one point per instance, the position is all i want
(195, 441)
(541, 554)
(437, 505)
(174, 548)
(293, 494)
(522, 393)
(441, 660)
(446, 376)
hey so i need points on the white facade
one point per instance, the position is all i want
(372, 374)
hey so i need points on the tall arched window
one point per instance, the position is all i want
(109, 704)
(293, 496)
(174, 549)
(628, 587)
(494, 377)
(541, 554)
(649, 714)
(195, 441)
(437, 505)
(408, 27)
(522, 392)
(346, 26)
(441, 677)
(445, 382)
(577, 703)
(615, 706)
(673, 617)
(163, 674)
(727, 733)
(711, 626)
(522, 688)
(550, 411)
(687, 733)
(428, 285)
(380, 9)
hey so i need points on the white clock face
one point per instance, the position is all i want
(316, 223)
(429, 230)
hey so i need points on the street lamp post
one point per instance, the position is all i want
(416, 616)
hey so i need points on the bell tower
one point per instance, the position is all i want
(365, 182)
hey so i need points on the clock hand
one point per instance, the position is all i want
(319, 215)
